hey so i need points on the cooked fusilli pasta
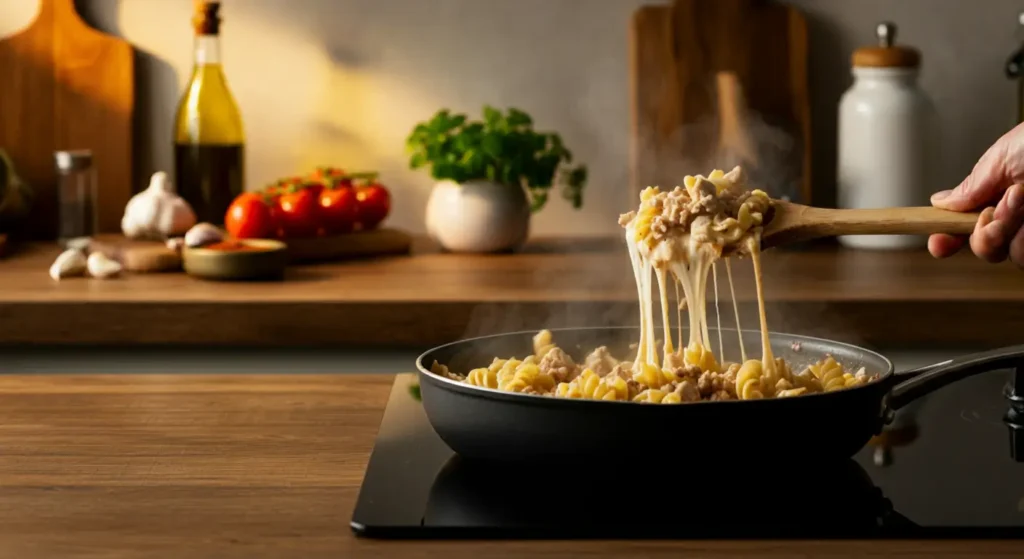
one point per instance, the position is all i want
(676, 236)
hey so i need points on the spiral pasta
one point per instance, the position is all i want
(542, 343)
(592, 387)
(483, 377)
(657, 396)
(527, 376)
(700, 356)
(652, 376)
(831, 374)
(748, 380)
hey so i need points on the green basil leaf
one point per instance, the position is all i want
(518, 118)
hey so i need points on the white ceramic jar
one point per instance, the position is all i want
(478, 216)
(888, 138)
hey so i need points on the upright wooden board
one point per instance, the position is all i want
(64, 85)
(719, 83)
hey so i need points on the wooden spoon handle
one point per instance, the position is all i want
(924, 220)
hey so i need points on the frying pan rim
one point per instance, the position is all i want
(493, 393)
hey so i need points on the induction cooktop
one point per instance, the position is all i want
(951, 465)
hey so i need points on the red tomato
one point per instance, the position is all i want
(249, 217)
(338, 210)
(374, 204)
(297, 212)
(324, 173)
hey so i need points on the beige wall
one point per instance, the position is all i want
(342, 81)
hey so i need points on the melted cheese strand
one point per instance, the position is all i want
(736, 310)
(718, 312)
(634, 259)
(645, 277)
(767, 359)
(679, 309)
(702, 278)
(666, 324)
(682, 271)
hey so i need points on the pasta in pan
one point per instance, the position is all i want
(675, 237)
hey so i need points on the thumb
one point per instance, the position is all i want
(986, 183)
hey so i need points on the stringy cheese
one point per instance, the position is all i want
(676, 237)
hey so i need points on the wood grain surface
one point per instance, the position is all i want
(384, 240)
(202, 466)
(430, 298)
(65, 85)
(717, 84)
(794, 223)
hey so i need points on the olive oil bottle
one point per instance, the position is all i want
(209, 142)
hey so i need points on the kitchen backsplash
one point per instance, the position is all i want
(343, 81)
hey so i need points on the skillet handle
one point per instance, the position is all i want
(937, 376)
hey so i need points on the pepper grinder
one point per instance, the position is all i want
(887, 137)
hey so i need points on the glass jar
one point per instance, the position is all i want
(76, 197)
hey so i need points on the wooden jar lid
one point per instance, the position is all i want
(886, 54)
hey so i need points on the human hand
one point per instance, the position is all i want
(996, 178)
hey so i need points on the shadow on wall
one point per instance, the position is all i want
(152, 74)
(829, 69)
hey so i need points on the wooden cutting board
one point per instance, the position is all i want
(154, 256)
(377, 242)
(713, 84)
(65, 85)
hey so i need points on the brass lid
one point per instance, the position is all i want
(886, 54)
(206, 17)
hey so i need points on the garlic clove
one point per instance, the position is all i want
(175, 243)
(69, 263)
(203, 234)
(101, 266)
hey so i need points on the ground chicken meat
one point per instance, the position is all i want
(687, 391)
(623, 371)
(722, 395)
(711, 382)
(559, 365)
(688, 372)
(633, 387)
(600, 361)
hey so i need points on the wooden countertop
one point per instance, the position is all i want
(430, 298)
(249, 466)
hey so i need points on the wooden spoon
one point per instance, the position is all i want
(793, 223)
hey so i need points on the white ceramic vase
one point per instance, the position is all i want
(478, 216)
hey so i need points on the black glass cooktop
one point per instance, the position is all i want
(947, 467)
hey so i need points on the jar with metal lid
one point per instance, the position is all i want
(888, 137)
(76, 197)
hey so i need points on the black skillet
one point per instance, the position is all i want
(486, 424)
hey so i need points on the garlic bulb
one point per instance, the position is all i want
(101, 266)
(203, 234)
(71, 262)
(157, 212)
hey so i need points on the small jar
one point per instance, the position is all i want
(76, 197)
(888, 138)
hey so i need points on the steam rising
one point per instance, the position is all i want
(604, 292)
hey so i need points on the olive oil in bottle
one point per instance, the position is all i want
(209, 143)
